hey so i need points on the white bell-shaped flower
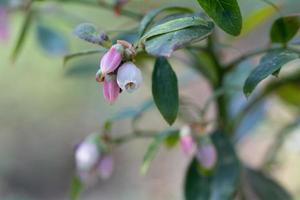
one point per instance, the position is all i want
(87, 156)
(129, 77)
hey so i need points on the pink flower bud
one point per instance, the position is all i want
(207, 155)
(105, 167)
(86, 156)
(111, 89)
(186, 140)
(112, 59)
(129, 77)
(4, 25)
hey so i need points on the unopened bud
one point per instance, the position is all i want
(186, 140)
(105, 167)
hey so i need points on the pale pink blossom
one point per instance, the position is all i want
(207, 155)
(86, 156)
(187, 141)
(112, 59)
(129, 77)
(111, 89)
(4, 24)
(105, 167)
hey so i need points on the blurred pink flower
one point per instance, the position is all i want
(129, 77)
(187, 141)
(105, 167)
(112, 59)
(207, 155)
(86, 156)
(111, 89)
(4, 24)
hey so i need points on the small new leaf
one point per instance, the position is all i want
(75, 188)
(269, 64)
(89, 33)
(165, 89)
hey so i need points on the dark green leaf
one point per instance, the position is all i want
(166, 44)
(153, 148)
(264, 187)
(89, 33)
(284, 29)
(227, 171)
(148, 18)
(165, 89)
(175, 25)
(22, 35)
(197, 186)
(51, 41)
(75, 188)
(226, 13)
(269, 64)
(83, 53)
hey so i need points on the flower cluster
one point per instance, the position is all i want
(203, 149)
(92, 161)
(117, 72)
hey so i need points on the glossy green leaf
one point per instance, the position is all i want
(226, 13)
(175, 25)
(149, 17)
(269, 64)
(23, 33)
(165, 89)
(284, 29)
(76, 188)
(70, 56)
(153, 148)
(264, 187)
(197, 186)
(166, 44)
(227, 172)
(51, 41)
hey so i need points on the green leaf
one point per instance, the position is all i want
(165, 89)
(70, 56)
(226, 13)
(89, 33)
(76, 188)
(153, 148)
(175, 25)
(51, 41)
(264, 187)
(227, 172)
(284, 29)
(22, 35)
(269, 64)
(149, 17)
(222, 184)
(197, 185)
(166, 44)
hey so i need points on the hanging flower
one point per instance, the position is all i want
(111, 89)
(4, 24)
(129, 77)
(186, 140)
(105, 167)
(111, 59)
(86, 156)
(207, 155)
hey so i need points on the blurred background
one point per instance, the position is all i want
(46, 108)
